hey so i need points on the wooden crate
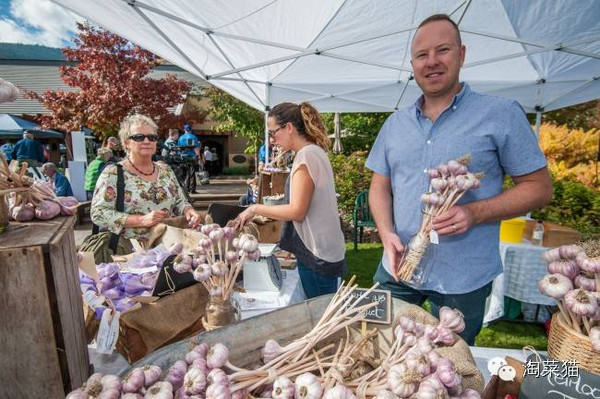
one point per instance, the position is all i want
(43, 345)
(271, 183)
(555, 235)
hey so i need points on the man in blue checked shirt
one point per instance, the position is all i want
(449, 121)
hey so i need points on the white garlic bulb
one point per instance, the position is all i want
(307, 386)
(283, 388)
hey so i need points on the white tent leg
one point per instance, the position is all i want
(266, 138)
(538, 123)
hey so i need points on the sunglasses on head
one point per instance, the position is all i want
(138, 138)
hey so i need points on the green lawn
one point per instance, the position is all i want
(502, 334)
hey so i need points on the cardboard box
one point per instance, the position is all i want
(270, 232)
(555, 235)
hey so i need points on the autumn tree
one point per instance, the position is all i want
(110, 81)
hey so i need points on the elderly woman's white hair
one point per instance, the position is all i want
(132, 121)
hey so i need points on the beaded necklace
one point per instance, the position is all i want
(145, 174)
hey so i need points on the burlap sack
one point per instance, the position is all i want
(169, 235)
(459, 353)
(154, 325)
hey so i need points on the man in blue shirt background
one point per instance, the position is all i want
(28, 150)
(60, 184)
(449, 121)
(193, 156)
(7, 149)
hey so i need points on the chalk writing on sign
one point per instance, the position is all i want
(382, 312)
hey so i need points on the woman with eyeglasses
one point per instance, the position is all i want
(312, 230)
(151, 193)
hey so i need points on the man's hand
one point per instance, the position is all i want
(393, 249)
(153, 218)
(455, 220)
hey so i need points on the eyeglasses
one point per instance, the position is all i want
(138, 138)
(272, 132)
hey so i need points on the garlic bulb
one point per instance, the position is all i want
(219, 269)
(182, 263)
(217, 377)
(151, 375)
(591, 265)
(217, 356)
(202, 272)
(402, 380)
(384, 393)
(339, 392)
(569, 251)
(271, 350)
(105, 386)
(231, 256)
(588, 284)
(216, 291)
(581, 302)
(77, 394)
(407, 324)
(175, 374)
(431, 388)
(307, 386)
(239, 394)
(200, 363)
(216, 234)
(202, 349)
(418, 362)
(133, 381)
(567, 268)
(218, 391)
(555, 285)
(283, 388)
(445, 336)
(206, 229)
(131, 395)
(595, 338)
(194, 381)
(160, 390)
(453, 319)
(446, 373)
(191, 356)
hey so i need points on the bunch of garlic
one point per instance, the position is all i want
(574, 281)
(218, 258)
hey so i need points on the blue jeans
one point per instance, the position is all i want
(471, 304)
(314, 284)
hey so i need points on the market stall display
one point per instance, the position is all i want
(318, 353)
(30, 198)
(574, 281)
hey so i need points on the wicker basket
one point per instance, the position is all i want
(566, 344)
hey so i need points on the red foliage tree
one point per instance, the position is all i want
(110, 82)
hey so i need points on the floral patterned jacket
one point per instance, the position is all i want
(141, 197)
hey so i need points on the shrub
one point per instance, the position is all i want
(573, 205)
(351, 177)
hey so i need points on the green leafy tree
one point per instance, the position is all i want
(360, 129)
(236, 116)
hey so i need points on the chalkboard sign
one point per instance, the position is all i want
(546, 377)
(382, 313)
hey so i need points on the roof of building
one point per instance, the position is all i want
(36, 68)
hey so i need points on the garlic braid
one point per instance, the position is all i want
(314, 126)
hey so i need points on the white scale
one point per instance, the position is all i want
(263, 274)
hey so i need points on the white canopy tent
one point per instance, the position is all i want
(354, 55)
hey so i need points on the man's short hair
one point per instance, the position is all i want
(49, 166)
(27, 133)
(441, 17)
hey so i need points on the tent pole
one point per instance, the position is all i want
(538, 123)
(267, 108)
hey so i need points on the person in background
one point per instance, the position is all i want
(312, 230)
(215, 160)
(170, 142)
(60, 184)
(28, 150)
(7, 149)
(262, 153)
(112, 144)
(447, 122)
(208, 164)
(94, 170)
(152, 193)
